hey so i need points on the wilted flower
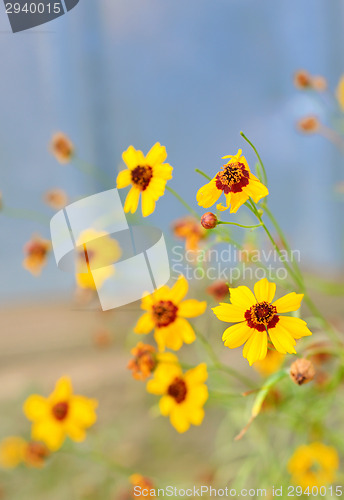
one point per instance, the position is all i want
(62, 147)
(308, 124)
(183, 395)
(209, 220)
(166, 314)
(219, 290)
(36, 251)
(56, 198)
(144, 361)
(259, 320)
(302, 371)
(189, 229)
(237, 183)
(60, 415)
(313, 465)
(147, 176)
(302, 79)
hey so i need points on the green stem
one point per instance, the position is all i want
(202, 173)
(259, 158)
(183, 202)
(18, 213)
(239, 225)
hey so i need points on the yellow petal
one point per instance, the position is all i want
(295, 326)
(264, 291)
(82, 411)
(148, 204)
(179, 419)
(228, 202)
(12, 451)
(163, 171)
(196, 416)
(145, 324)
(75, 432)
(237, 335)
(196, 375)
(282, 340)
(340, 92)
(179, 289)
(197, 395)
(256, 190)
(132, 200)
(36, 407)
(256, 347)
(123, 179)
(166, 404)
(238, 199)
(208, 195)
(156, 155)
(156, 188)
(289, 302)
(242, 297)
(229, 312)
(63, 390)
(185, 330)
(172, 336)
(191, 308)
(50, 432)
(132, 157)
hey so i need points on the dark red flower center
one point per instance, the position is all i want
(60, 410)
(178, 390)
(261, 316)
(164, 313)
(141, 176)
(232, 178)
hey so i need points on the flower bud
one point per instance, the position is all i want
(209, 220)
(302, 371)
(302, 79)
(308, 125)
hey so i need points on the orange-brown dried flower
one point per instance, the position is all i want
(56, 198)
(35, 454)
(308, 125)
(302, 371)
(189, 228)
(62, 147)
(144, 361)
(143, 487)
(36, 251)
(219, 290)
(302, 79)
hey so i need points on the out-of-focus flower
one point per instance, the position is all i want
(99, 253)
(183, 395)
(35, 454)
(237, 183)
(60, 415)
(270, 364)
(12, 452)
(219, 290)
(302, 371)
(308, 125)
(62, 147)
(313, 465)
(56, 198)
(144, 361)
(143, 487)
(209, 220)
(147, 176)
(319, 83)
(259, 320)
(166, 314)
(36, 251)
(189, 228)
(302, 79)
(340, 92)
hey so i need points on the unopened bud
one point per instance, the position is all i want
(209, 220)
(302, 371)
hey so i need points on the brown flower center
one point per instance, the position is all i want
(60, 410)
(141, 176)
(232, 178)
(178, 390)
(261, 316)
(164, 313)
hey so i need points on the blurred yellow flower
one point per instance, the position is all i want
(313, 465)
(12, 452)
(98, 253)
(237, 183)
(62, 147)
(144, 361)
(183, 395)
(142, 487)
(36, 251)
(147, 175)
(340, 92)
(190, 229)
(270, 364)
(259, 320)
(166, 314)
(60, 415)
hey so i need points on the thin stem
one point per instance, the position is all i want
(96, 173)
(183, 202)
(18, 213)
(239, 225)
(202, 173)
(259, 158)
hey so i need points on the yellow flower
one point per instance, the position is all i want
(12, 452)
(190, 229)
(62, 147)
(183, 395)
(270, 364)
(237, 183)
(340, 92)
(313, 465)
(147, 175)
(36, 251)
(60, 415)
(259, 320)
(166, 314)
(99, 252)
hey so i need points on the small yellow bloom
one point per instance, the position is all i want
(142, 487)
(36, 251)
(98, 253)
(166, 314)
(270, 364)
(183, 394)
(259, 320)
(313, 465)
(237, 183)
(340, 92)
(12, 452)
(60, 415)
(62, 147)
(147, 176)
